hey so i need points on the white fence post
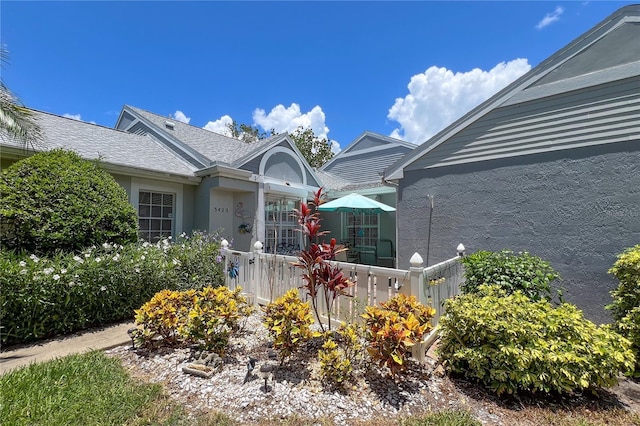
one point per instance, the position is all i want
(257, 267)
(415, 277)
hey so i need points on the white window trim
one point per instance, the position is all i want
(138, 185)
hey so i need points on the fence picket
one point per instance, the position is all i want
(268, 276)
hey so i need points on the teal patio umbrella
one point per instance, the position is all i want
(355, 203)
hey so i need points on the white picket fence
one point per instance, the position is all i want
(264, 277)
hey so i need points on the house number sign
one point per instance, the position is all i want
(221, 209)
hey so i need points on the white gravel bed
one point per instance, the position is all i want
(294, 389)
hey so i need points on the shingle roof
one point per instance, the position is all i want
(332, 182)
(92, 141)
(212, 145)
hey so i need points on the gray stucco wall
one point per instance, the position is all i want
(576, 209)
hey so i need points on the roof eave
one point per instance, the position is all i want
(219, 169)
(150, 174)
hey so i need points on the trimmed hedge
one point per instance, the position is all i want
(510, 343)
(43, 297)
(626, 299)
(510, 271)
(56, 200)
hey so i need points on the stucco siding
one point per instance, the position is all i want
(575, 208)
(188, 206)
(123, 181)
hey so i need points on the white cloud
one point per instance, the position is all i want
(179, 115)
(550, 18)
(220, 126)
(438, 97)
(283, 119)
(72, 116)
(335, 147)
(77, 117)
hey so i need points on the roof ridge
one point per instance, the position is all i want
(186, 124)
(77, 120)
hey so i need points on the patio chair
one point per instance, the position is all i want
(384, 254)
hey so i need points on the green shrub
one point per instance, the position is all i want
(629, 327)
(165, 317)
(215, 314)
(340, 353)
(57, 201)
(335, 368)
(199, 263)
(510, 271)
(288, 320)
(626, 298)
(42, 297)
(510, 343)
(206, 317)
(393, 328)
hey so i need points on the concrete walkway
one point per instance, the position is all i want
(100, 338)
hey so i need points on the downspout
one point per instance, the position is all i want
(430, 197)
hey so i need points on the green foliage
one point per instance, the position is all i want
(45, 296)
(165, 316)
(626, 298)
(55, 200)
(335, 368)
(394, 327)
(510, 271)
(315, 150)
(629, 327)
(215, 314)
(87, 389)
(288, 321)
(246, 132)
(510, 343)
(340, 355)
(198, 260)
(206, 317)
(16, 121)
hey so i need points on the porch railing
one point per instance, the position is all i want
(264, 277)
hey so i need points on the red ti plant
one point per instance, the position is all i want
(320, 276)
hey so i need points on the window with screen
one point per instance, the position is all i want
(155, 215)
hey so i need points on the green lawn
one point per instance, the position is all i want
(89, 389)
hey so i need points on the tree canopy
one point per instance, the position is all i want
(315, 150)
(246, 132)
(16, 121)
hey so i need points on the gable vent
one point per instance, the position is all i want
(169, 124)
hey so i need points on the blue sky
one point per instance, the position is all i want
(401, 69)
